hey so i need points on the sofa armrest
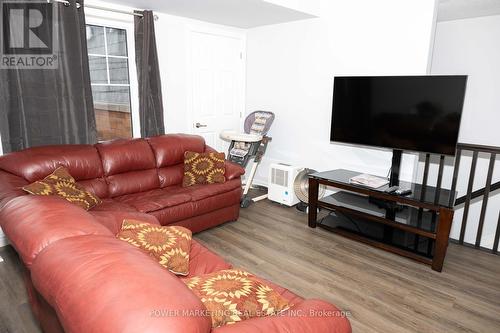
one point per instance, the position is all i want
(10, 187)
(233, 170)
(33, 223)
(102, 284)
(309, 316)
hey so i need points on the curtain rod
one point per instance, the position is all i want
(67, 3)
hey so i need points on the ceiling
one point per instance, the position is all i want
(460, 9)
(237, 13)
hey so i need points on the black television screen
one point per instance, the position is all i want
(415, 113)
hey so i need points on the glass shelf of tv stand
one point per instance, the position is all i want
(428, 197)
(419, 231)
(411, 230)
(417, 221)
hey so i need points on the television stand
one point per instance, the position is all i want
(416, 226)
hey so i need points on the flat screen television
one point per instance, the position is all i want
(413, 113)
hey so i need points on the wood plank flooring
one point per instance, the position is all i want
(15, 311)
(384, 292)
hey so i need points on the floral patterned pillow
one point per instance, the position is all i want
(203, 168)
(233, 295)
(170, 246)
(62, 184)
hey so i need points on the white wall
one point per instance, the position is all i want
(290, 70)
(472, 47)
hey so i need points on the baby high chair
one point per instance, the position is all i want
(248, 145)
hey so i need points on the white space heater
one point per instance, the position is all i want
(281, 178)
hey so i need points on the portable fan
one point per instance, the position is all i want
(301, 188)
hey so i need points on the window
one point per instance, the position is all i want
(110, 80)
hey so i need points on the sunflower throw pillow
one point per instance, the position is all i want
(233, 295)
(203, 168)
(170, 246)
(62, 184)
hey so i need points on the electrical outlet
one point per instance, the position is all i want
(1, 259)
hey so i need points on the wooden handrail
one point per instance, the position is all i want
(477, 193)
(479, 148)
(483, 192)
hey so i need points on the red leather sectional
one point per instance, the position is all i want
(80, 278)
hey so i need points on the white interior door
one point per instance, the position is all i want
(217, 69)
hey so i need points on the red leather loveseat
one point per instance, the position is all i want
(80, 278)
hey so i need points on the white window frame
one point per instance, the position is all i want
(126, 24)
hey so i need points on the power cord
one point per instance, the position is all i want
(344, 215)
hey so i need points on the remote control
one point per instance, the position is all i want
(391, 189)
(403, 192)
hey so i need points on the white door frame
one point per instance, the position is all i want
(224, 32)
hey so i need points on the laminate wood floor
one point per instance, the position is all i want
(384, 292)
(15, 310)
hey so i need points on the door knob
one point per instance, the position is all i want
(198, 125)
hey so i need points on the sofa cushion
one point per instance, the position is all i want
(200, 192)
(61, 184)
(170, 246)
(203, 261)
(234, 295)
(97, 186)
(171, 175)
(119, 156)
(113, 220)
(205, 221)
(111, 214)
(173, 214)
(101, 284)
(190, 209)
(129, 166)
(82, 161)
(218, 201)
(203, 168)
(113, 205)
(154, 200)
(133, 182)
(169, 149)
(158, 199)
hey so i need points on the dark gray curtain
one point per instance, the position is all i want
(148, 75)
(51, 106)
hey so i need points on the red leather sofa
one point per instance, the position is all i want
(138, 175)
(80, 278)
